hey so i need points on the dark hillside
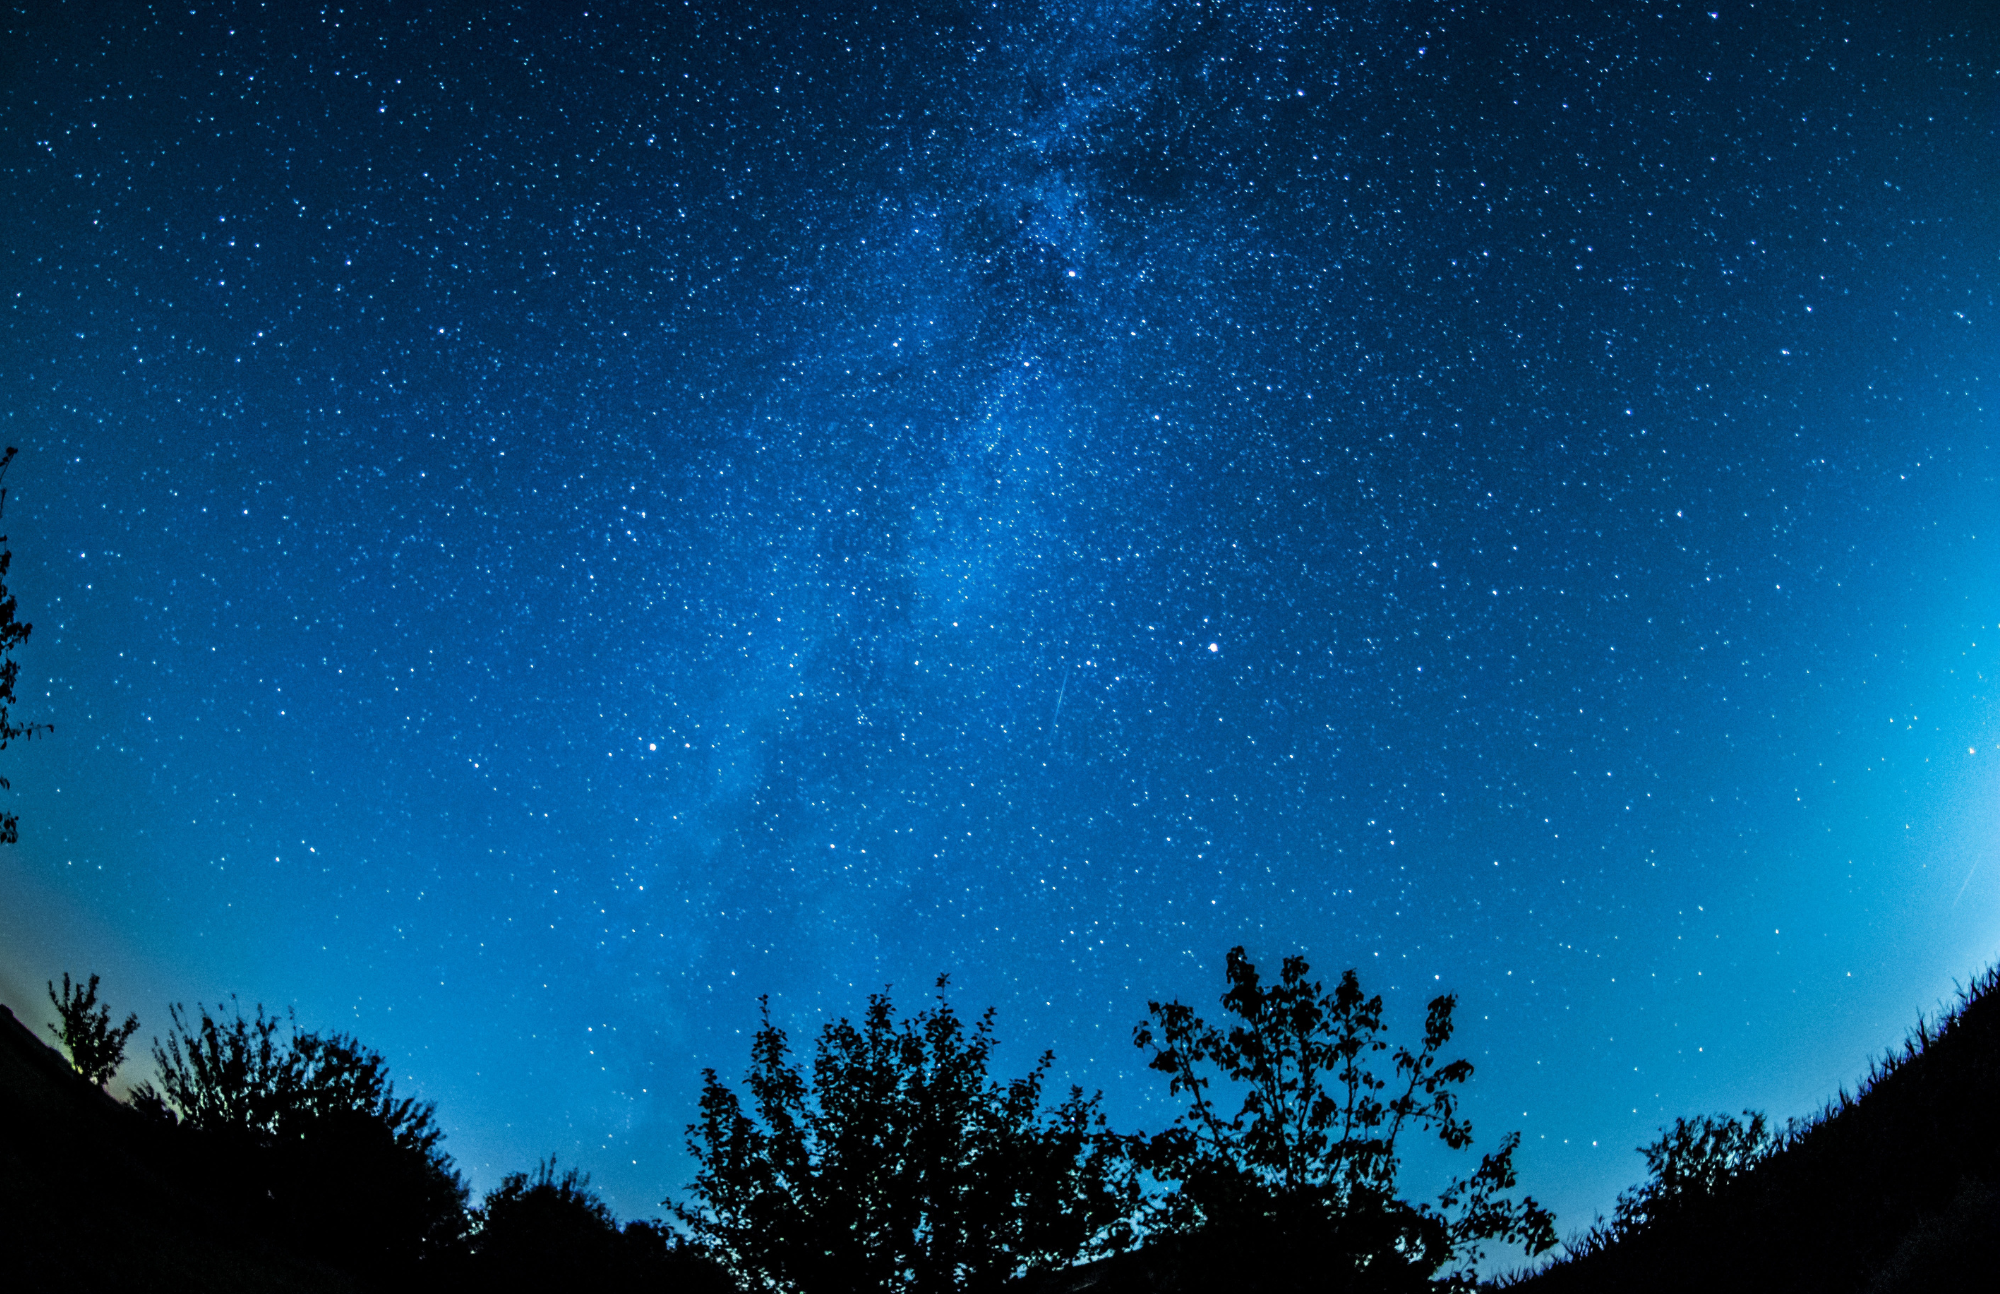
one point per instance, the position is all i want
(95, 1196)
(1895, 1190)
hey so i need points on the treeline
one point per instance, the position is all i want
(299, 1140)
(886, 1156)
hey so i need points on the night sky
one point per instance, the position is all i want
(545, 523)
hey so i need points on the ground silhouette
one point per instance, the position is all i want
(309, 1182)
(96, 1195)
(1891, 1191)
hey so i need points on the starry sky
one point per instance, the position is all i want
(546, 522)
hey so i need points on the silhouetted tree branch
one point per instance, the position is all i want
(84, 1029)
(1299, 1185)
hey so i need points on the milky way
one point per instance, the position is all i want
(546, 524)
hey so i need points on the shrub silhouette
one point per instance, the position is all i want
(84, 1029)
(895, 1164)
(538, 1227)
(1298, 1187)
(310, 1131)
(1694, 1160)
(546, 1231)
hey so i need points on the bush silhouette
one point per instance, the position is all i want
(309, 1130)
(1298, 1187)
(84, 1029)
(544, 1224)
(896, 1164)
(544, 1231)
(1692, 1161)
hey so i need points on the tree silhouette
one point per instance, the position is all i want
(84, 1029)
(335, 1161)
(896, 1164)
(537, 1230)
(13, 632)
(1298, 1186)
(225, 1075)
(365, 1177)
(545, 1231)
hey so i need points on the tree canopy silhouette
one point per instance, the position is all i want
(896, 1164)
(338, 1163)
(85, 1031)
(1298, 1186)
(543, 1219)
(545, 1231)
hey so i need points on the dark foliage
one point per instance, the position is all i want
(897, 1165)
(271, 1158)
(546, 1231)
(1297, 1188)
(94, 1196)
(219, 1075)
(1693, 1160)
(355, 1194)
(84, 1028)
(13, 632)
(1689, 1163)
(1892, 1189)
(320, 1149)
